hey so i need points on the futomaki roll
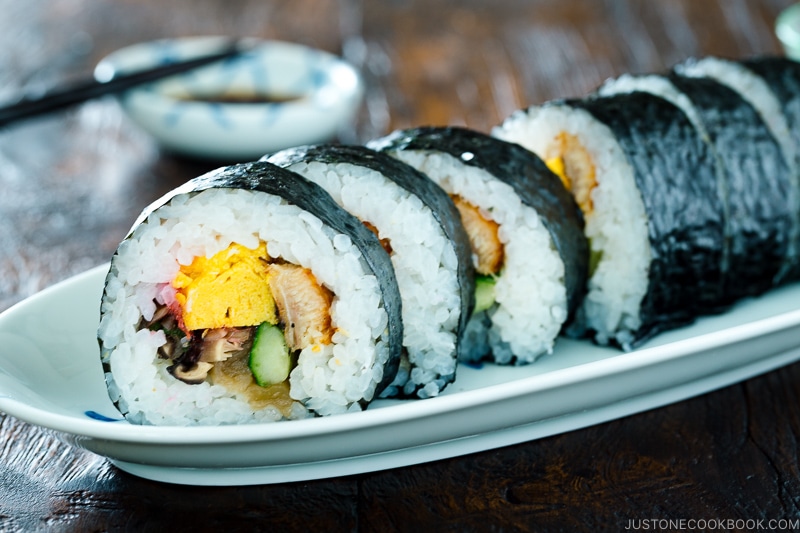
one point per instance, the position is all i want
(769, 85)
(782, 76)
(248, 295)
(418, 225)
(646, 183)
(754, 181)
(525, 232)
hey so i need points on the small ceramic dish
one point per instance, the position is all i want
(273, 96)
(787, 28)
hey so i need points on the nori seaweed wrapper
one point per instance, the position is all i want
(782, 75)
(757, 186)
(418, 184)
(271, 179)
(535, 184)
(674, 171)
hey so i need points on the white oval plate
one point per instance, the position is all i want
(50, 376)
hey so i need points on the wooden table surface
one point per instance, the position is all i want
(73, 182)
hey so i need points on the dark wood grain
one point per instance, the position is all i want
(73, 182)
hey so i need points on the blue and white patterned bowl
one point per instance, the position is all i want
(299, 95)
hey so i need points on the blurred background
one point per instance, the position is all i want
(72, 183)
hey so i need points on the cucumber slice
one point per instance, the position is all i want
(269, 361)
(484, 292)
(594, 259)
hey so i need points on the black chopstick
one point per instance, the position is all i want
(75, 94)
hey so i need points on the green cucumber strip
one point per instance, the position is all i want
(270, 360)
(484, 292)
(594, 259)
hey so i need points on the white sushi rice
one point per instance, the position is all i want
(616, 228)
(530, 296)
(424, 261)
(329, 381)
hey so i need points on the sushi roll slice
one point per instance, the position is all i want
(525, 231)
(247, 295)
(782, 76)
(753, 179)
(770, 86)
(418, 225)
(646, 183)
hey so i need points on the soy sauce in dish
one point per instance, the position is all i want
(241, 98)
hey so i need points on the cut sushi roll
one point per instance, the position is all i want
(753, 88)
(526, 235)
(418, 225)
(782, 76)
(646, 183)
(248, 295)
(770, 86)
(753, 179)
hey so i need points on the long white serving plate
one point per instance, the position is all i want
(50, 376)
